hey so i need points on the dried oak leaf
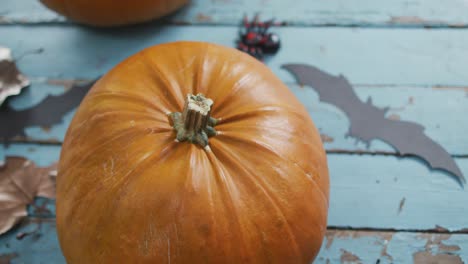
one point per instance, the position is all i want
(20, 182)
(11, 79)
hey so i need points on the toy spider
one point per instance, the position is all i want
(255, 40)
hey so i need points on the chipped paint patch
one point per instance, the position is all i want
(406, 20)
(441, 229)
(427, 257)
(412, 20)
(455, 88)
(387, 237)
(394, 117)
(66, 84)
(6, 258)
(46, 128)
(326, 138)
(435, 243)
(348, 257)
(203, 18)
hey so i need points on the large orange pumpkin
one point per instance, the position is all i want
(113, 12)
(140, 181)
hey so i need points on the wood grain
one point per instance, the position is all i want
(383, 47)
(340, 246)
(365, 56)
(366, 190)
(398, 13)
(427, 106)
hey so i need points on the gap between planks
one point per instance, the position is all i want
(69, 83)
(436, 230)
(283, 25)
(54, 142)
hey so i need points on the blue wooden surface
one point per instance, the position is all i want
(366, 191)
(426, 105)
(421, 57)
(379, 13)
(419, 73)
(339, 246)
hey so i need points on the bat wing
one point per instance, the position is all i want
(409, 139)
(51, 110)
(335, 90)
(47, 113)
(368, 122)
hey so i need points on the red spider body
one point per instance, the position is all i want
(255, 39)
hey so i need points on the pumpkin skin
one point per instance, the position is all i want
(106, 13)
(127, 192)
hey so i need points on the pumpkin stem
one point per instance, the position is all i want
(195, 124)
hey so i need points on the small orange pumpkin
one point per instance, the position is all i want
(113, 12)
(191, 152)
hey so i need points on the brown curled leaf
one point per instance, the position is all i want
(20, 182)
(11, 79)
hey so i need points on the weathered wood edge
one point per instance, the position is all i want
(410, 103)
(417, 57)
(300, 13)
(35, 241)
(406, 195)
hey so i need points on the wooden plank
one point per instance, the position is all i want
(365, 56)
(38, 247)
(426, 106)
(339, 246)
(442, 111)
(42, 155)
(299, 13)
(392, 192)
(27, 12)
(343, 246)
(379, 192)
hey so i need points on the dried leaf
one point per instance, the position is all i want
(11, 79)
(20, 182)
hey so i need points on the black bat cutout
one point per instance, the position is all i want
(47, 113)
(369, 122)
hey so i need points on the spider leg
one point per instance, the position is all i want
(246, 23)
(256, 19)
(245, 20)
(267, 25)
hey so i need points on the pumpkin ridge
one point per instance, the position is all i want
(266, 190)
(72, 211)
(138, 115)
(256, 113)
(227, 189)
(236, 128)
(200, 158)
(197, 80)
(149, 158)
(267, 149)
(217, 78)
(225, 100)
(172, 100)
(309, 176)
(83, 157)
(190, 64)
(318, 198)
(127, 98)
